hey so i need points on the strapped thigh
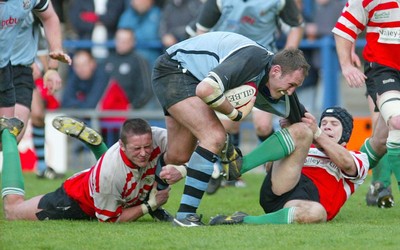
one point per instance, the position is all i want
(389, 105)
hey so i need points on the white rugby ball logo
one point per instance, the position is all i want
(241, 96)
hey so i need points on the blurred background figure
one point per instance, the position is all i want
(86, 82)
(130, 70)
(143, 18)
(176, 15)
(130, 82)
(95, 20)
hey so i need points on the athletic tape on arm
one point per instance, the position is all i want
(180, 168)
(217, 97)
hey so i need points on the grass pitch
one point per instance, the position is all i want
(356, 226)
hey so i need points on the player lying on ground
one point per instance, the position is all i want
(313, 174)
(118, 188)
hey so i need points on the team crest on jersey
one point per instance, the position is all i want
(26, 4)
(381, 15)
(149, 180)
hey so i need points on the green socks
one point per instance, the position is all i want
(277, 146)
(97, 150)
(382, 172)
(282, 216)
(394, 159)
(12, 181)
(373, 157)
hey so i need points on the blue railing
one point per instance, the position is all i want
(85, 44)
(329, 68)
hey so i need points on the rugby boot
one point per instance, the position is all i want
(78, 129)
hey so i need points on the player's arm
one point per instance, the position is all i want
(156, 199)
(337, 153)
(211, 91)
(344, 48)
(51, 77)
(353, 75)
(345, 33)
(237, 69)
(51, 25)
(294, 37)
(292, 17)
(132, 213)
(208, 17)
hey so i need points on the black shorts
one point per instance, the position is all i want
(304, 190)
(170, 84)
(7, 90)
(23, 84)
(59, 206)
(380, 80)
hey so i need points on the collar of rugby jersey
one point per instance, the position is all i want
(156, 152)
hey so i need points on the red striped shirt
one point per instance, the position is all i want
(334, 186)
(115, 183)
(381, 20)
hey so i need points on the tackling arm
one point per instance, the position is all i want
(155, 200)
(131, 214)
(338, 154)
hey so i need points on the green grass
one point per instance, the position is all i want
(356, 227)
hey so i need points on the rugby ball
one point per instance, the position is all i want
(242, 95)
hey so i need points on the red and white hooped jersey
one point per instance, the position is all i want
(381, 19)
(115, 182)
(334, 186)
